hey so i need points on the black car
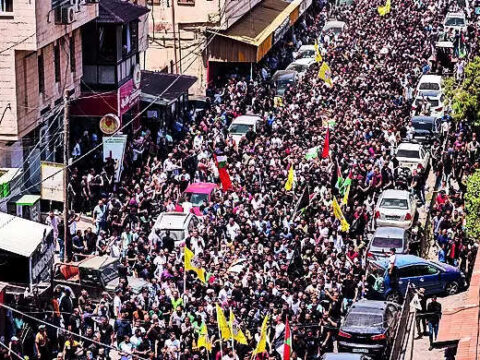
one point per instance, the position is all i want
(344, 356)
(369, 328)
(427, 129)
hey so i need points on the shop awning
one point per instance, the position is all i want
(259, 30)
(166, 87)
(28, 200)
(119, 12)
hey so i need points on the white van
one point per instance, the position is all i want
(180, 225)
(240, 125)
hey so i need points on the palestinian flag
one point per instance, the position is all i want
(287, 344)
(221, 161)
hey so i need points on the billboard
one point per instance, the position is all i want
(52, 181)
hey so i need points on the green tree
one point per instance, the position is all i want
(465, 98)
(472, 205)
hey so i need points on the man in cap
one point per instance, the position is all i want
(41, 343)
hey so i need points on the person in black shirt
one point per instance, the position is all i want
(168, 242)
(106, 334)
(434, 311)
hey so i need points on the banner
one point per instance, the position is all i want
(52, 185)
(114, 147)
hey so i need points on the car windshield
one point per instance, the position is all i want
(401, 153)
(198, 199)
(394, 204)
(297, 67)
(455, 21)
(176, 235)
(307, 53)
(387, 243)
(421, 125)
(239, 128)
(110, 272)
(433, 102)
(363, 320)
(429, 86)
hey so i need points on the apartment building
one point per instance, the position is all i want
(40, 60)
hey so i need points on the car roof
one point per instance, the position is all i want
(374, 306)
(431, 78)
(307, 47)
(333, 24)
(396, 194)
(408, 146)
(402, 260)
(246, 119)
(455, 14)
(341, 356)
(427, 119)
(303, 61)
(172, 220)
(389, 232)
(200, 188)
(97, 262)
(283, 74)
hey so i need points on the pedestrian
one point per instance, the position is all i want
(434, 313)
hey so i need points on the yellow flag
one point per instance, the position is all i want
(290, 179)
(262, 343)
(384, 10)
(325, 74)
(344, 226)
(222, 324)
(200, 274)
(203, 340)
(237, 333)
(318, 56)
(189, 255)
(345, 196)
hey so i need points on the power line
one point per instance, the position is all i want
(11, 351)
(17, 43)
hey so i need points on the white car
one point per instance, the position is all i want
(409, 155)
(301, 66)
(396, 208)
(305, 52)
(179, 224)
(435, 106)
(455, 21)
(430, 84)
(334, 26)
(240, 126)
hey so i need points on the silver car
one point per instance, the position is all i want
(396, 208)
(386, 238)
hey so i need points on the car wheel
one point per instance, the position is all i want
(395, 297)
(452, 288)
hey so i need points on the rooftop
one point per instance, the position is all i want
(119, 12)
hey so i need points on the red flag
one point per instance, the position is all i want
(287, 343)
(225, 179)
(326, 145)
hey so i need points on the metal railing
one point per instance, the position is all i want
(402, 330)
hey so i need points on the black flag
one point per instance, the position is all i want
(295, 268)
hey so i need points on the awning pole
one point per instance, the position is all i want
(251, 71)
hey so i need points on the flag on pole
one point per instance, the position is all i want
(237, 333)
(345, 196)
(221, 161)
(287, 344)
(312, 153)
(262, 342)
(344, 226)
(290, 178)
(222, 324)
(203, 340)
(304, 201)
(318, 56)
(188, 257)
(325, 74)
(326, 145)
(384, 10)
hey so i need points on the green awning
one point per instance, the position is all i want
(27, 200)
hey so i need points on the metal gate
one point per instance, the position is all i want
(401, 333)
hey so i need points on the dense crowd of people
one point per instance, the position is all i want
(301, 264)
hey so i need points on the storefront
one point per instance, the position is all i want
(252, 37)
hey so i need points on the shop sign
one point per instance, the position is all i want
(305, 5)
(42, 260)
(114, 147)
(128, 95)
(109, 124)
(52, 181)
(281, 30)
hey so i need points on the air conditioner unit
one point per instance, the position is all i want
(67, 14)
(75, 4)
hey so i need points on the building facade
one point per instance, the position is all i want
(40, 60)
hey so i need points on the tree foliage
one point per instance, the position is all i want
(472, 204)
(465, 98)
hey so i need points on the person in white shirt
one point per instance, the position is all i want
(232, 229)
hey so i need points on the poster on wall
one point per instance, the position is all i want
(52, 181)
(114, 147)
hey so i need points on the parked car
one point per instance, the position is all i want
(386, 238)
(301, 66)
(369, 328)
(242, 124)
(433, 100)
(283, 79)
(200, 193)
(409, 155)
(455, 21)
(333, 26)
(344, 356)
(435, 277)
(427, 129)
(396, 208)
(432, 84)
(179, 224)
(305, 52)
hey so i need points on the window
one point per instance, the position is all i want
(6, 5)
(129, 38)
(106, 44)
(56, 60)
(41, 74)
(72, 54)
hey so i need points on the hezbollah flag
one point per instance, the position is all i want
(290, 178)
(325, 74)
(237, 333)
(223, 173)
(287, 343)
(262, 343)
(188, 257)
(347, 193)
(203, 340)
(225, 332)
(344, 226)
(384, 10)
(318, 56)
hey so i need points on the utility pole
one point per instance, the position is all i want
(174, 36)
(66, 156)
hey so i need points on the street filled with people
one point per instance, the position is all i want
(285, 232)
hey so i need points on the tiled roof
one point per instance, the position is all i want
(119, 11)
(156, 83)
